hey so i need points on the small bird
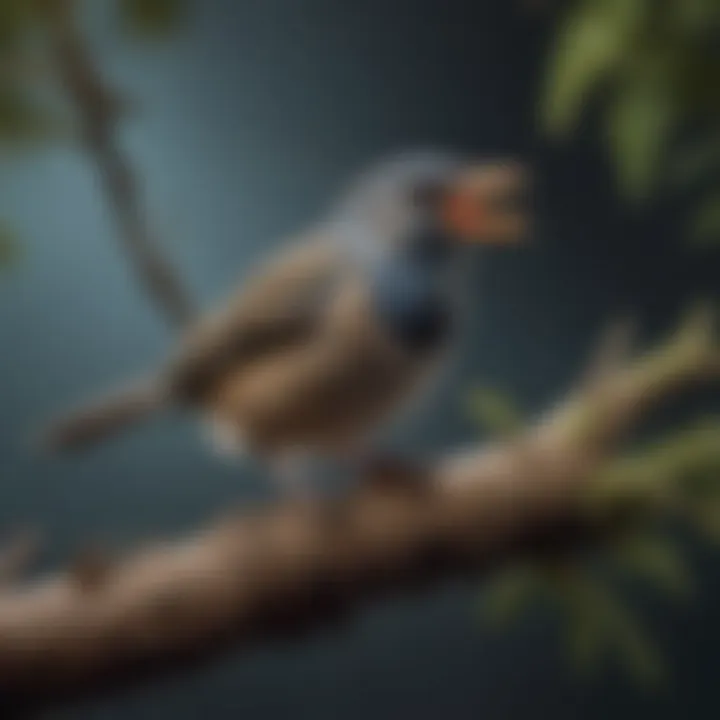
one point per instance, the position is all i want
(329, 340)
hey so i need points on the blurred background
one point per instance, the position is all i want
(244, 118)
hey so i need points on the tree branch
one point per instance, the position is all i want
(98, 109)
(280, 571)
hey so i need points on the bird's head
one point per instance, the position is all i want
(485, 203)
(460, 202)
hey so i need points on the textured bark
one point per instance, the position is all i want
(281, 571)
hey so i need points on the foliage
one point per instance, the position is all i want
(151, 18)
(679, 477)
(27, 77)
(633, 506)
(24, 119)
(597, 623)
(650, 71)
(495, 410)
(31, 109)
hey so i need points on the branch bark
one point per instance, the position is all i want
(99, 111)
(276, 572)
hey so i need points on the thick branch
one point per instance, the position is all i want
(98, 111)
(280, 571)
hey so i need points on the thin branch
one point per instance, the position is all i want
(610, 354)
(256, 577)
(98, 109)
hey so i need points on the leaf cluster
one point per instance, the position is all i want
(635, 503)
(648, 69)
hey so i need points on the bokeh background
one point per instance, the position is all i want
(245, 124)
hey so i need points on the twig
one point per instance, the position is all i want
(98, 109)
(610, 354)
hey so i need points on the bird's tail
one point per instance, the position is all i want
(109, 415)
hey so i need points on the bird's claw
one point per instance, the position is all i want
(390, 471)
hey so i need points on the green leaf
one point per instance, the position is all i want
(640, 121)
(494, 410)
(16, 17)
(591, 47)
(22, 119)
(597, 623)
(508, 595)
(705, 226)
(634, 649)
(609, 625)
(696, 16)
(656, 559)
(676, 471)
(585, 642)
(152, 18)
(585, 635)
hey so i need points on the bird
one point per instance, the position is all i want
(330, 337)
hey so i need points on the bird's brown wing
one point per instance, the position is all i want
(280, 306)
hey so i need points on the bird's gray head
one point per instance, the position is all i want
(428, 201)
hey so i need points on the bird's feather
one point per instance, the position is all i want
(280, 307)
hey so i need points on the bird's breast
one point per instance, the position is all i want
(345, 383)
(411, 308)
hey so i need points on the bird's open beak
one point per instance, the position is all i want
(488, 204)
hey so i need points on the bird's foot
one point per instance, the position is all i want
(393, 472)
(297, 486)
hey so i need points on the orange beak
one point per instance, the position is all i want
(485, 205)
